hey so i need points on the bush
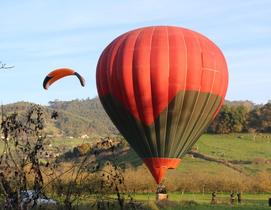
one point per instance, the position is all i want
(82, 149)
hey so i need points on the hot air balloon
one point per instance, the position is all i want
(60, 73)
(162, 86)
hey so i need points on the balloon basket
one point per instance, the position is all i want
(161, 196)
(161, 193)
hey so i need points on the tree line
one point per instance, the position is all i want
(240, 118)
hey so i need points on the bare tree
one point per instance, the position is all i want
(23, 138)
(5, 66)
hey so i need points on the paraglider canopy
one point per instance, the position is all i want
(60, 73)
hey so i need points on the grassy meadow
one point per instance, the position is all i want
(250, 155)
(238, 147)
(191, 201)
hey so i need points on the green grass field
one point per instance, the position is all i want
(191, 201)
(188, 201)
(230, 147)
(227, 147)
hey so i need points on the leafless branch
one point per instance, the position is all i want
(5, 66)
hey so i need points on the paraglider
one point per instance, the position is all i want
(162, 86)
(60, 73)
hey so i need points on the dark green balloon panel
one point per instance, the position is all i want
(174, 131)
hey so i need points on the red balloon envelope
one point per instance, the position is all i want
(162, 86)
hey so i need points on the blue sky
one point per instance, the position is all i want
(38, 36)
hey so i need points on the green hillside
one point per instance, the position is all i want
(87, 117)
(79, 117)
(251, 156)
(75, 118)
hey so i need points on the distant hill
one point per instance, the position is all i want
(78, 117)
(75, 118)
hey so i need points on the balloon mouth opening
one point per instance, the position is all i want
(159, 166)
